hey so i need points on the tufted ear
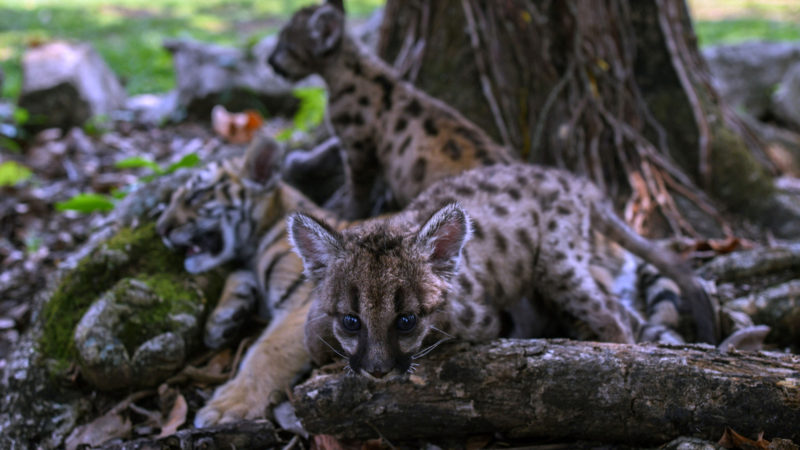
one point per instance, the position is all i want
(262, 161)
(315, 242)
(443, 236)
(327, 27)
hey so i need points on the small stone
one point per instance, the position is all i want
(6, 323)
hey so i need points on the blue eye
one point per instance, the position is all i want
(406, 322)
(351, 322)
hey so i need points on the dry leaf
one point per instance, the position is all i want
(373, 444)
(732, 439)
(176, 418)
(219, 362)
(478, 441)
(238, 128)
(106, 427)
(328, 442)
(782, 444)
(719, 246)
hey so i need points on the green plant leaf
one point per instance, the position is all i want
(119, 193)
(13, 173)
(86, 203)
(312, 107)
(284, 135)
(21, 115)
(9, 144)
(190, 160)
(136, 162)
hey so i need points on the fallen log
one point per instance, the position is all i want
(560, 389)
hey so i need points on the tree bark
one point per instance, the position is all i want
(558, 389)
(615, 90)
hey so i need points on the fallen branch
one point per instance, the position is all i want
(559, 389)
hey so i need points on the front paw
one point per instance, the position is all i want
(233, 401)
(225, 323)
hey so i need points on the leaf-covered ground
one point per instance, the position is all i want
(35, 236)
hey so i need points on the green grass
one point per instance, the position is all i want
(731, 21)
(730, 31)
(129, 33)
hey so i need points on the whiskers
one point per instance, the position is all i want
(426, 350)
(314, 319)
(412, 368)
(332, 349)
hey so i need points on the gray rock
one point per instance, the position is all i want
(746, 74)
(786, 100)
(122, 343)
(65, 84)
(33, 409)
(153, 109)
(207, 75)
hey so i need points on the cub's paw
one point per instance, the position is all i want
(234, 401)
(225, 323)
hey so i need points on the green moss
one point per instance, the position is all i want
(738, 179)
(176, 294)
(130, 253)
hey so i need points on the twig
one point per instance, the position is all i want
(482, 73)
(388, 442)
(665, 18)
(418, 51)
(292, 443)
(136, 396)
(238, 356)
(548, 104)
(153, 418)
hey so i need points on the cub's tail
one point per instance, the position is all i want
(703, 309)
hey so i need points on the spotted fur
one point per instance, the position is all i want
(522, 232)
(393, 133)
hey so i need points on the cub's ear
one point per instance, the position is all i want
(262, 161)
(443, 236)
(315, 242)
(327, 27)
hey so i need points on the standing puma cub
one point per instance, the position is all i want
(468, 249)
(392, 132)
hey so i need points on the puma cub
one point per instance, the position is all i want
(468, 249)
(393, 133)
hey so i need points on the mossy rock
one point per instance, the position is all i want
(131, 257)
(139, 332)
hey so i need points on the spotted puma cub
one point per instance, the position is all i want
(392, 133)
(468, 249)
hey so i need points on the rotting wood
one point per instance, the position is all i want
(560, 389)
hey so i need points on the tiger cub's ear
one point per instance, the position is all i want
(262, 161)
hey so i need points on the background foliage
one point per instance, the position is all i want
(128, 33)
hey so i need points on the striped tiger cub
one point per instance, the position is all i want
(235, 211)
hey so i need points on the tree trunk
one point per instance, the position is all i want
(615, 90)
(558, 389)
